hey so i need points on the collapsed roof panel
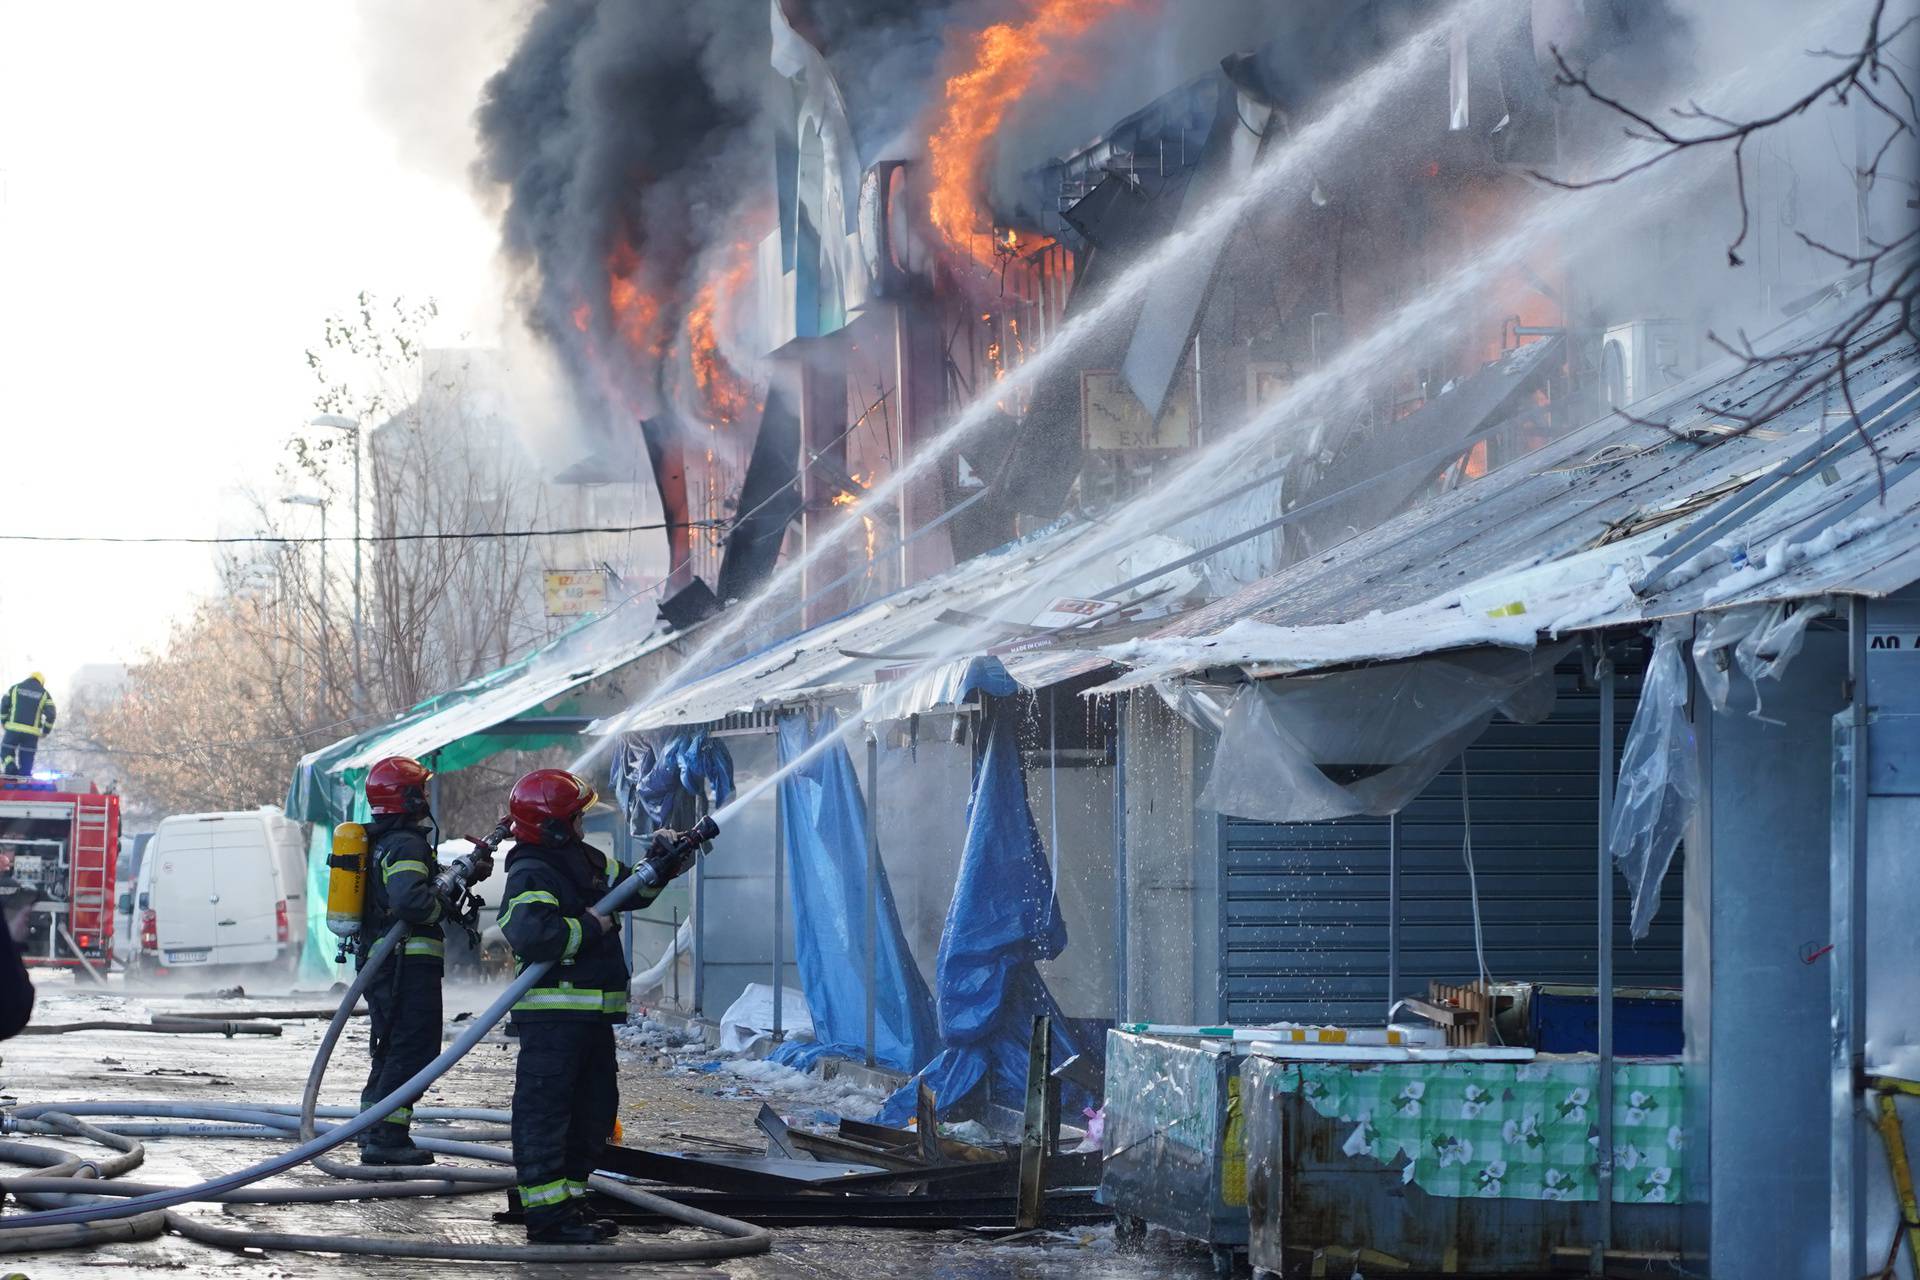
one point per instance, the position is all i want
(769, 501)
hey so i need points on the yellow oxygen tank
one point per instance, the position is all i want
(347, 880)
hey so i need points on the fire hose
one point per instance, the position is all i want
(93, 1221)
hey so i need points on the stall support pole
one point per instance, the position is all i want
(1847, 906)
(1393, 911)
(779, 917)
(1603, 1093)
(1119, 864)
(623, 854)
(699, 937)
(873, 884)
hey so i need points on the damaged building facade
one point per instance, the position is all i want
(1382, 599)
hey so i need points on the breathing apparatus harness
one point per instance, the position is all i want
(350, 864)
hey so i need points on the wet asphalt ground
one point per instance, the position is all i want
(661, 1099)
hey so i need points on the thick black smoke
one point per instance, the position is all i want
(649, 124)
(622, 123)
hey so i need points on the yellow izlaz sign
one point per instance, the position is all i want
(574, 593)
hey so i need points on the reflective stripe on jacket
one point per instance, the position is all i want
(28, 709)
(544, 917)
(401, 887)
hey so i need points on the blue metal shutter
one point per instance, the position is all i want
(1304, 905)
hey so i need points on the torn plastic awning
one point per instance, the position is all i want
(596, 650)
(1556, 542)
(906, 653)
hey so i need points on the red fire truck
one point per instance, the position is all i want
(58, 848)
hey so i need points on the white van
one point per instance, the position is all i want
(224, 889)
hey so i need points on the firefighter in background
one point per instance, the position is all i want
(26, 716)
(566, 1091)
(403, 1003)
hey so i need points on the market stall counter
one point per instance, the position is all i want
(1470, 1161)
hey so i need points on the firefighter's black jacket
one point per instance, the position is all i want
(28, 709)
(401, 885)
(549, 889)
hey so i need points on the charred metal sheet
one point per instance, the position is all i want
(1121, 218)
(768, 1121)
(1171, 314)
(769, 501)
(736, 1173)
(1067, 1206)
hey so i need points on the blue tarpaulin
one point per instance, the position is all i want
(823, 823)
(657, 786)
(1004, 920)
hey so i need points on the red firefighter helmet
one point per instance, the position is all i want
(397, 785)
(545, 804)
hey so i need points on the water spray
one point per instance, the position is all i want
(1291, 161)
(1363, 95)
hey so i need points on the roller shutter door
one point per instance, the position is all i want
(1304, 906)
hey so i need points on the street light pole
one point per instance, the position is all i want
(352, 428)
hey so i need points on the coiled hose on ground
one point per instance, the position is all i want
(76, 1191)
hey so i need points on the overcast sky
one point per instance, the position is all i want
(186, 191)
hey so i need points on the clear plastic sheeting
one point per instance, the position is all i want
(1659, 778)
(1366, 741)
(1759, 639)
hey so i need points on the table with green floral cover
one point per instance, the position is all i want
(1508, 1130)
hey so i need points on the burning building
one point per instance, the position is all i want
(1176, 508)
(783, 290)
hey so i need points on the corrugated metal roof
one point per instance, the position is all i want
(1545, 545)
(1554, 541)
(909, 652)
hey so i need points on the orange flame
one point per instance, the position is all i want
(1004, 61)
(847, 497)
(636, 313)
(725, 393)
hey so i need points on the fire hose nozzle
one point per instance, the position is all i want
(689, 842)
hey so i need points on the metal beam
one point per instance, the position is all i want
(1119, 860)
(873, 884)
(1035, 1142)
(699, 937)
(1393, 910)
(1746, 502)
(1848, 969)
(779, 916)
(1603, 1094)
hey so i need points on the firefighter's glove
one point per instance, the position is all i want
(671, 855)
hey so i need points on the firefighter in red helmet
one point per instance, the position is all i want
(403, 1003)
(566, 1085)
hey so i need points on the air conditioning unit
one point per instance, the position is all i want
(1642, 357)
